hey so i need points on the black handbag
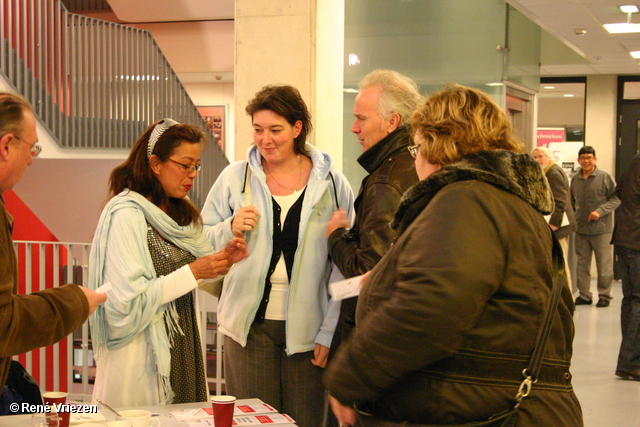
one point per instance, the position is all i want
(507, 418)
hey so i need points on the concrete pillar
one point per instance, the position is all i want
(600, 119)
(296, 42)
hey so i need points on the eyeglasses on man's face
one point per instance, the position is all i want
(413, 149)
(188, 168)
(34, 149)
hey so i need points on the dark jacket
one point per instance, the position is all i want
(627, 229)
(31, 321)
(447, 319)
(559, 184)
(356, 251)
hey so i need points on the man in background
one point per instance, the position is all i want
(42, 318)
(626, 241)
(562, 220)
(593, 198)
(382, 113)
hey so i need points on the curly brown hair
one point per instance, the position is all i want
(460, 120)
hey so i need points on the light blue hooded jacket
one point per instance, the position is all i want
(311, 316)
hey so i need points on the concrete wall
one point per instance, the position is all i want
(600, 119)
(560, 112)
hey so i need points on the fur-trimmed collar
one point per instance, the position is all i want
(516, 173)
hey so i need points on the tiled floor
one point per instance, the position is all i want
(607, 401)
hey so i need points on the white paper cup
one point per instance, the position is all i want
(137, 418)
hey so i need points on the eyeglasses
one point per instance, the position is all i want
(188, 168)
(34, 149)
(413, 149)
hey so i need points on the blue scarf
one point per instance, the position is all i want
(189, 238)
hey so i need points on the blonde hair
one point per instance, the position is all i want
(543, 150)
(460, 120)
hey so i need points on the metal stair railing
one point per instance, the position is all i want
(93, 83)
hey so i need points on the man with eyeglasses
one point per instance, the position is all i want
(382, 112)
(594, 199)
(43, 318)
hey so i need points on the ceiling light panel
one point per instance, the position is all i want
(630, 8)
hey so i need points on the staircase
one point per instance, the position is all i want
(95, 84)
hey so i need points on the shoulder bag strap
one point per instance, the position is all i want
(559, 280)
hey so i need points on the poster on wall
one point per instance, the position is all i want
(215, 118)
(565, 154)
(546, 136)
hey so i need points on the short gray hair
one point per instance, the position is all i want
(543, 150)
(12, 109)
(398, 94)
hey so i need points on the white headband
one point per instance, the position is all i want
(157, 132)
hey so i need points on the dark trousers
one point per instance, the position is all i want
(629, 264)
(262, 369)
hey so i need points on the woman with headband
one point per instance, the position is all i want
(150, 251)
(274, 309)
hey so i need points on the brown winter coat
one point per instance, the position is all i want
(447, 319)
(31, 321)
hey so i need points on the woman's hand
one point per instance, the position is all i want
(346, 416)
(339, 219)
(210, 266)
(237, 250)
(320, 356)
(245, 220)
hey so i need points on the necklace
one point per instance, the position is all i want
(294, 190)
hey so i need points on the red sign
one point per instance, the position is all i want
(545, 136)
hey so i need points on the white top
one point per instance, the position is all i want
(277, 305)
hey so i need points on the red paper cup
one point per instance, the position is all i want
(223, 410)
(57, 398)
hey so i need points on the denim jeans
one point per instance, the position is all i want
(629, 356)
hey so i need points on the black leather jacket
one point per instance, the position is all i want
(356, 251)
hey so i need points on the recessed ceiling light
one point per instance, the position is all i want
(353, 59)
(349, 90)
(568, 95)
(549, 87)
(630, 8)
(622, 28)
(635, 54)
(494, 84)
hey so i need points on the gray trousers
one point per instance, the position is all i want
(600, 245)
(262, 369)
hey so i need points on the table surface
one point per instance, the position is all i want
(164, 410)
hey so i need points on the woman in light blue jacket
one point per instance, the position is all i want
(275, 309)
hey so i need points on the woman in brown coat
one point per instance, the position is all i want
(448, 319)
